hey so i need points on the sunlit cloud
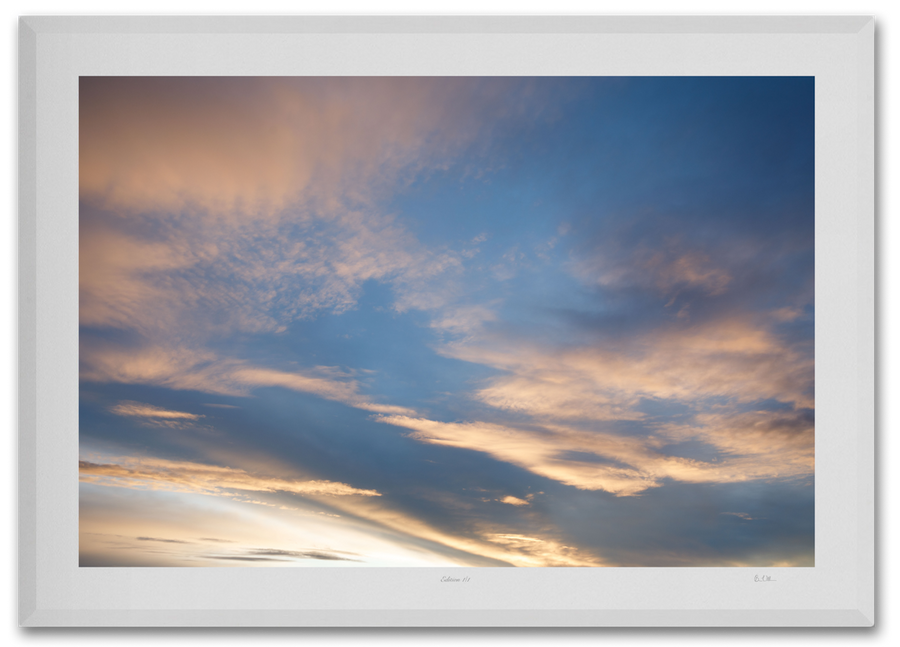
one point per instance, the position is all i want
(771, 443)
(149, 411)
(484, 539)
(531, 551)
(542, 452)
(761, 445)
(202, 371)
(183, 476)
(246, 534)
(260, 202)
(724, 359)
(170, 144)
(198, 283)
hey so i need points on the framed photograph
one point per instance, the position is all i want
(407, 321)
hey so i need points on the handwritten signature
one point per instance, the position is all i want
(763, 578)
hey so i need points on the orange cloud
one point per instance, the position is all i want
(731, 359)
(709, 368)
(543, 453)
(214, 205)
(533, 551)
(254, 146)
(180, 368)
(759, 445)
(140, 410)
(511, 500)
(183, 476)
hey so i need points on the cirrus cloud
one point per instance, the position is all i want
(185, 476)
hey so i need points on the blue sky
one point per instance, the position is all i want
(447, 321)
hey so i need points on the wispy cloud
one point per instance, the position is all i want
(257, 145)
(463, 319)
(203, 371)
(340, 391)
(295, 163)
(137, 409)
(777, 442)
(183, 476)
(726, 358)
(277, 555)
(200, 282)
(541, 452)
(532, 551)
(761, 445)
(669, 268)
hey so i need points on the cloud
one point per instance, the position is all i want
(214, 206)
(206, 213)
(368, 540)
(462, 544)
(193, 281)
(340, 391)
(666, 269)
(277, 555)
(729, 358)
(463, 319)
(180, 368)
(758, 445)
(540, 451)
(245, 558)
(114, 288)
(768, 444)
(511, 500)
(256, 145)
(183, 476)
(788, 313)
(306, 554)
(129, 408)
(532, 551)
(679, 342)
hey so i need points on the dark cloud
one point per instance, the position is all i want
(306, 554)
(243, 558)
(277, 555)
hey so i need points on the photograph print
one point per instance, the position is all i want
(446, 321)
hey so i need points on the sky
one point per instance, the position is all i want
(334, 322)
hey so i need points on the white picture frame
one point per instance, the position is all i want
(54, 51)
